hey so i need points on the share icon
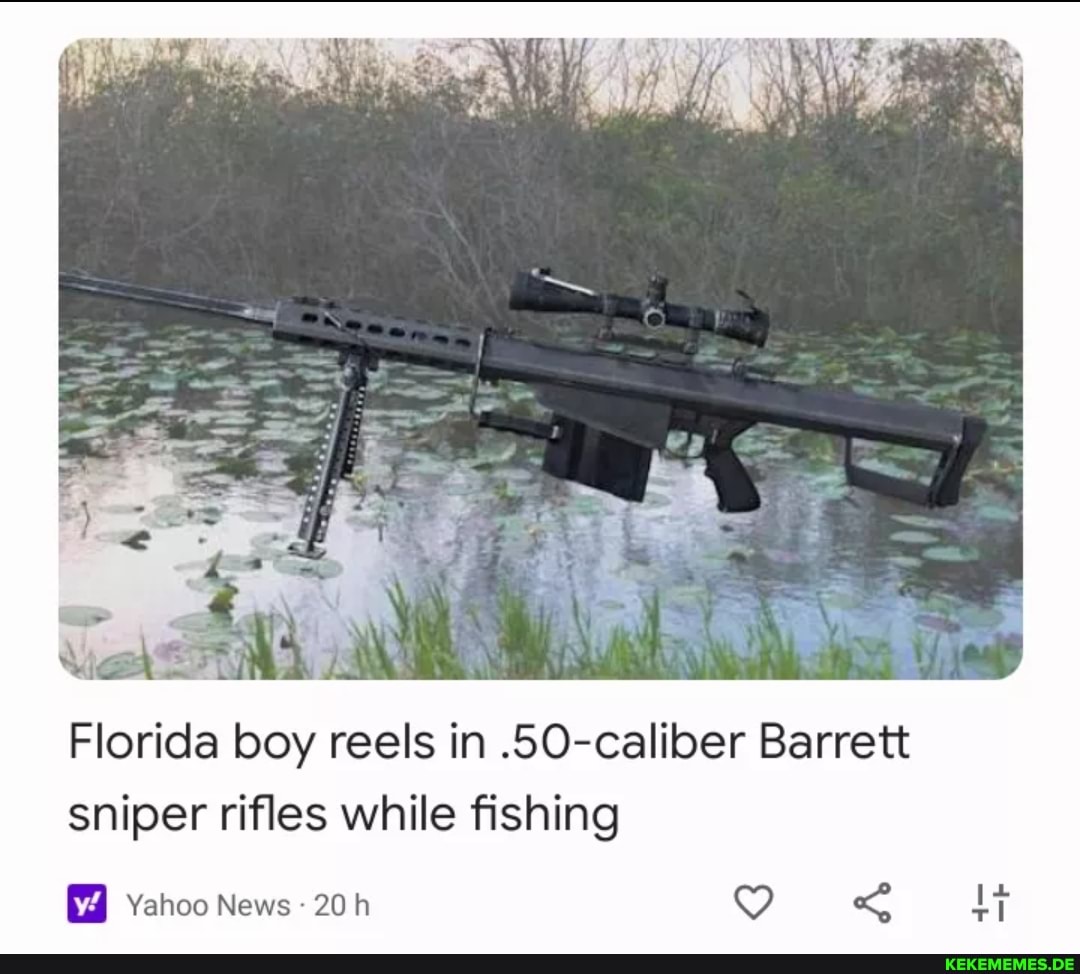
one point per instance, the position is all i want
(863, 902)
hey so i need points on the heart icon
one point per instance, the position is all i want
(754, 900)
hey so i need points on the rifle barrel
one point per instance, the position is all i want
(173, 299)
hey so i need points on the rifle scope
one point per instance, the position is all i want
(537, 290)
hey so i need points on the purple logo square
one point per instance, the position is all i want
(87, 903)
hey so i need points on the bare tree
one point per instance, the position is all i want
(637, 70)
(536, 76)
(696, 68)
(349, 70)
(88, 63)
(794, 81)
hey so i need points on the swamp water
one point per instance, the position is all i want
(186, 450)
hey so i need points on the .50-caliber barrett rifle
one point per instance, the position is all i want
(607, 411)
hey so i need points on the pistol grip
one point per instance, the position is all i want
(735, 491)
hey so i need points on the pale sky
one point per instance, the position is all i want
(290, 55)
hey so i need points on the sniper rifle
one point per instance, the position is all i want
(607, 410)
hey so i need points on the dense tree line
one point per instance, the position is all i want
(836, 181)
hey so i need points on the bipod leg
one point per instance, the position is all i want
(337, 459)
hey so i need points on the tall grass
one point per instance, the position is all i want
(420, 641)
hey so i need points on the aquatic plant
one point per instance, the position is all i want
(419, 642)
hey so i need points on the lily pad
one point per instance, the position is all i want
(717, 555)
(366, 519)
(997, 512)
(937, 623)
(166, 517)
(227, 432)
(492, 456)
(459, 489)
(510, 524)
(120, 666)
(90, 433)
(917, 520)
(781, 557)
(162, 383)
(686, 595)
(978, 617)
(905, 561)
(951, 553)
(134, 538)
(270, 545)
(427, 465)
(913, 537)
(518, 474)
(844, 601)
(239, 563)
(942, 602)
(235, 419)
(122, 508)
(262, 517)
(587, 505)
(204, 584)
(422, 393)
(203, 623)
(308, 567)
(83, 615)
(641, 573)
